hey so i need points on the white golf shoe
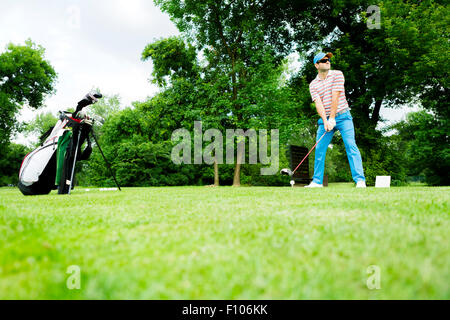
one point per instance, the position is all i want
(314, 185)
(361, 184)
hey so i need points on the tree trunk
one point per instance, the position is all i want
(376, 112)
(216, 173)
(237, 175)
(237, 168)
(233, 58)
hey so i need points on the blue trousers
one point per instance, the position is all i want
(344, 123)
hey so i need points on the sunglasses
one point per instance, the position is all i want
(324, 61)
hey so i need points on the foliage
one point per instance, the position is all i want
(137, 143)
(105, 107)
(137, 162)
(102, 110)
(25, 78)
(40, 124)
(201, 90)
(138, 148)
(231, 37)
(385, 67)
(11, 156)
(401, 62)
(418, 38)
(171, 58)
(427, 150)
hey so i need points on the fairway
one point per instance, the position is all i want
(227, 243)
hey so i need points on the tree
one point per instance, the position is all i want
(231, 35)
(105, 107)
(427, 150)
(384, 67)
(401, 62)
(171, 59)
(176, 71)
(137, 143)
(189, 89)
(40, 124)
(25, 78)
(102, 110)
(418, 38)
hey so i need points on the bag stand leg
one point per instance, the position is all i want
(106, 161)
(74, 160)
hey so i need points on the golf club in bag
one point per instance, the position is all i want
(52, 164)
(288, 172)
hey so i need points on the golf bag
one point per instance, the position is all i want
(52, 164)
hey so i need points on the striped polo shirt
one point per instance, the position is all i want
(322, 89)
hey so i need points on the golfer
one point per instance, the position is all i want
(328, 93)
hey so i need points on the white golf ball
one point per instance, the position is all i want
(292, 182)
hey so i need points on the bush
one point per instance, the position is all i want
(427, 151)
(387, 160)
(138, 163)
(10, 161)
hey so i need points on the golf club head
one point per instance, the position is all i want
(98, 119)
(92, 97)
(286, 172)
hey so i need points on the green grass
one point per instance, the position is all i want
(226, 243)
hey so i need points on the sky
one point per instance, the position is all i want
(90, 44)
(94, 44)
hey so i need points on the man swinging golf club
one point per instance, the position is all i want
(328, 93)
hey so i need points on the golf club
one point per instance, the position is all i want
(290, 173)
(74, 160)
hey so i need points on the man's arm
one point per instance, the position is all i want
(336, 89)
(319, 105)
(334, 103)
(321, 111)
